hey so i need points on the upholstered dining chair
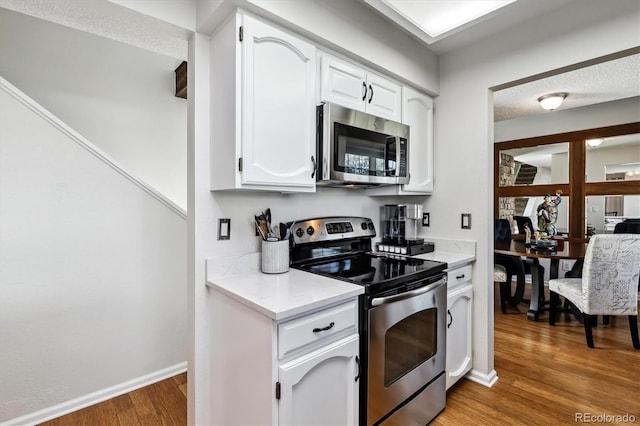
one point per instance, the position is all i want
(513, 265)
(608, 285)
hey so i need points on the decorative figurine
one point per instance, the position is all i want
(548, 214)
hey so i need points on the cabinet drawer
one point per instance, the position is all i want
(327, 323)
(459, 276)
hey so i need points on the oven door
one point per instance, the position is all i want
(406, 338)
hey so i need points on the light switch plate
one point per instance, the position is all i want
(465, 221)
(425, 219)
(224, 229)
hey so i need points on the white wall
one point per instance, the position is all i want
(181, 13)
(118, 96)
(588, 117)
(464, 123)
(92, 272)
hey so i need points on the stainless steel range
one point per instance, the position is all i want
(402, 317)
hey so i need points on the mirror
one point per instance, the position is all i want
(609, 158)
(537, 165)
(622, 205)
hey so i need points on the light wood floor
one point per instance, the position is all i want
(163, 403)
(547, 375)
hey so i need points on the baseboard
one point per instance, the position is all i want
(95, 397)
(487, 380)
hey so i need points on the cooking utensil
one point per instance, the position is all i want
(263, 227)
(271, 235)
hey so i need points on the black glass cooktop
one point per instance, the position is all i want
(375, 271)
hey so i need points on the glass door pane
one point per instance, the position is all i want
(409, 343)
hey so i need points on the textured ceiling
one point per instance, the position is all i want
(614, 80)
(609, 81)
(604, 82)
(109, 20)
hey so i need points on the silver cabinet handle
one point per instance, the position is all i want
(396, 297)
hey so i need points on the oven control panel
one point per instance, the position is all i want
(331, 228)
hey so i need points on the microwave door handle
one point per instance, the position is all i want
(395, 140)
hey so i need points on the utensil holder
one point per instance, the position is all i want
(275, 256)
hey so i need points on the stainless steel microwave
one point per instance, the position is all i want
(359, 149)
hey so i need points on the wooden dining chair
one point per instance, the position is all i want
(608, 285)
(500, 277)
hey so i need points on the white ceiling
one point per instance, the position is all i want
(106, 19)
(493, 23)
(609, 81)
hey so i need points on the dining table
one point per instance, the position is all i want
(566, 249)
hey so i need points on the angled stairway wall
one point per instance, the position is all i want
(93, 297)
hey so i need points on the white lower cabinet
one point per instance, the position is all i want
(298, 371)
(459, 326)
(320, 388)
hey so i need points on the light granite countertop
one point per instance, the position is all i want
(282, 296)
(278, 296)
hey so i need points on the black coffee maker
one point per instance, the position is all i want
(400, 225)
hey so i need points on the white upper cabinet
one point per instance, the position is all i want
(263, 82)
(417, 112)
(353, 87)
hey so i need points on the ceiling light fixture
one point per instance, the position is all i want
(552, 100)
(594, 142)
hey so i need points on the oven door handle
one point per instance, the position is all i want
(402, 296)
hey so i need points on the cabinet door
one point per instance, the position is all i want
(320, 388)
(459, 312)
(384, 98)
(417, 112)
(342, 83)
(278, 108)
